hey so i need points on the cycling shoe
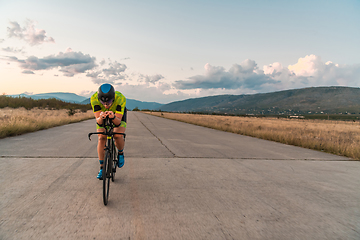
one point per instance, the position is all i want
(121, 159)
(100, 175)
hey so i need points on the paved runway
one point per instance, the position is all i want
(179, 181)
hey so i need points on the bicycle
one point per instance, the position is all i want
(110, 161)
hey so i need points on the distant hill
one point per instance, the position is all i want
(66, 97)
(50, 103)
(131, 104)
(73, 98)
(297, 101)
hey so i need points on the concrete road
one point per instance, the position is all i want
(179, 182)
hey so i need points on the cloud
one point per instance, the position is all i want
(146, 92)
(102, 62)
(150, 79)
(13, 50)
(307, 66)
(28, 72)
(86, 93)
(29, 33)
(112, 74)
(115, 69)
(2, 40)
(309, 71)
(70, 63)
(244, 75)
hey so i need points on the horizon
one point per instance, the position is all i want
(153, 53)
(85, 98)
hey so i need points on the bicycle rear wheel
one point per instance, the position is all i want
(107, 169)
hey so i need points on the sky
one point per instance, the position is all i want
(165, 51)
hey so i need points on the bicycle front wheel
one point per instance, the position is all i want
(114, 162)
(107, 168)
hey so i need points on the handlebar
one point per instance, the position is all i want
(107, 123)
(107, 134)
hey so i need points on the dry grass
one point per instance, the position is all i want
(18, 121)
(337, 137)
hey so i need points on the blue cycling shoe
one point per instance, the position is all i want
(121, 159)
(99, 176)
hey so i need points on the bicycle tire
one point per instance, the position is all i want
(114, 162)
(107, 169)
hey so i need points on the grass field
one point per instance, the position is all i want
(18, 121)
(336, 137)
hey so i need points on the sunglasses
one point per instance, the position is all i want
(107, 103)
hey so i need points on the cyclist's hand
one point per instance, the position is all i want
(103, 115)
(111, 114)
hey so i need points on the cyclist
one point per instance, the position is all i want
(107, 102)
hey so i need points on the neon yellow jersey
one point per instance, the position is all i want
(118, 105)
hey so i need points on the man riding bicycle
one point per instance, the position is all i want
(107, 102)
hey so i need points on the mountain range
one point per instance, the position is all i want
(73, 98)
(297, 101)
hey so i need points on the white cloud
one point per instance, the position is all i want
(102, 62)
(114, 69)
(70, 63)
(307, 66)
(150, 79)
(273, 68)
(314, 72)
(147, 92)
(29, 33)
(13, 50)
(309, 71)
(244, 75)
(112, 74)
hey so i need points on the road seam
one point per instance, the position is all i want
(155, 136)
(195, 157)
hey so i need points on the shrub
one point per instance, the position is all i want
(29, 103)
(71, 112)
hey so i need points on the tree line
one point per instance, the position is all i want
(51, 103)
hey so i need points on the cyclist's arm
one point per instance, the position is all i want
(116, 117)
(99, 116)
(120, 108)
(95, 105)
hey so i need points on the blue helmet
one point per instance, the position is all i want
(106, 93)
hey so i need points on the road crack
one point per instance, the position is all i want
(156, 136)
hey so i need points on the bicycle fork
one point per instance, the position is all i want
(110, 157)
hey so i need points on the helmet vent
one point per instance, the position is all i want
(105, 88)
(106, 92)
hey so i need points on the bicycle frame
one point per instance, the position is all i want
(109, 168)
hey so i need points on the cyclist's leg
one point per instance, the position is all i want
(120, 142)
(119, 139)
(100, 149)
(101, 144)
